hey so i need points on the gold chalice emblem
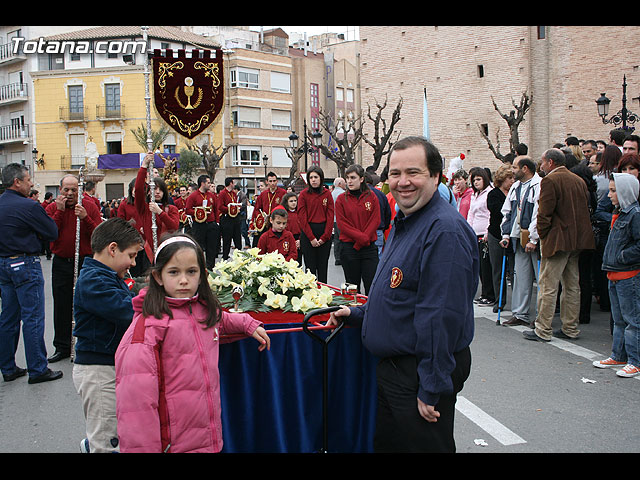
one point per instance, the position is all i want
(188, 90)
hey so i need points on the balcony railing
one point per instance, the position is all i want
(6, 53)
(110, 112)
(72, 162)
(13, 133)
(77, 115)
(13, 91)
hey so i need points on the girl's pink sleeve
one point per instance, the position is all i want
(238, 323)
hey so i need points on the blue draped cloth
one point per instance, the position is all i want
(272, 400)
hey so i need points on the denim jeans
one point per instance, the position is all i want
(22, 290)
(625, 310)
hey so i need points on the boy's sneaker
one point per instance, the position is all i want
(84, 446)
(609, 362)
(628, 371)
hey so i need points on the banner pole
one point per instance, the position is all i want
(147, 98)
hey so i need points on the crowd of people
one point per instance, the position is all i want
(560, 230)
(552, 230)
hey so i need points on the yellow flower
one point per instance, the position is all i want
(303, 304)
(275, 300)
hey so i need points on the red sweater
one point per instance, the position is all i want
(196, 199)
(167, 221)
(65, 245)
(293, 222)
(225, 197)
(316, 208)
(284, 244)
(267, 201)
(90, 198)
(358, 218)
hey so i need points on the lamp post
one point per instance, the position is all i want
(305, 148)
(265, 160)
(623, 117)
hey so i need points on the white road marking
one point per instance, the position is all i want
(487, 423)
(557, 342)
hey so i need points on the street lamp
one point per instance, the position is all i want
(265, 160)
(306, 148)
(623, 117)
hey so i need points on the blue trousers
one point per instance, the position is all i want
(22, 290)
(625, 310)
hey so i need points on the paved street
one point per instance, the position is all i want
(522, 396)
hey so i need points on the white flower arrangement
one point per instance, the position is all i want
(270, 283)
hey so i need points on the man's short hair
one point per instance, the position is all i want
(617, 136)
(431, 152)
(522, 149)
(228, 181)
(525, 161)
(117, 230)
(11, 172)
(202, 179)
(633, 138)
(556, 155)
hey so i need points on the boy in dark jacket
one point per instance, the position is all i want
(102, 311)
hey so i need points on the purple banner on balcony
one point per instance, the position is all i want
(131, 160)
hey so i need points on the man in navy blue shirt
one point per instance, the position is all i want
(418, 319)
(25, 225)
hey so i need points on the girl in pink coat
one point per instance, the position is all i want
(167, 379)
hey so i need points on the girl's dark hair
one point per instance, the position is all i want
(159, 184)
(320, 172)
(285, 199)
(155, 302)
(482, 173)
(130, 198)
(358, 170)
(610, 158)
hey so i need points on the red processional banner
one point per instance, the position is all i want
(188, 90)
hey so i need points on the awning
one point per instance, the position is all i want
(131, 160)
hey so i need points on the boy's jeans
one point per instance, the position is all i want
(625, 310)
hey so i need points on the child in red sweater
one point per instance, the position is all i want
(290, 203)
(278, 238)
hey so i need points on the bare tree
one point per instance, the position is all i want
(211, 156)
(345, 135)
(295, 155)
(382, 134)
(514, 119)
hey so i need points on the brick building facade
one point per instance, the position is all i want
(564, 68)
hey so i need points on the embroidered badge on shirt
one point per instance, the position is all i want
(285, 246)
(396, 277)
(367, 206)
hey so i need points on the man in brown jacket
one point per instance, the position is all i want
(564, 228)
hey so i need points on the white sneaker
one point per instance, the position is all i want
(628, 371)
(84, 446)
(609, 362)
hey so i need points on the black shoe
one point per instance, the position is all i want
(531, 335)
(18, 372)
(560, 334)
(47, 376)
(479, 300)
(57, 356)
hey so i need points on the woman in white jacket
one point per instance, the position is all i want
(478, 218)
